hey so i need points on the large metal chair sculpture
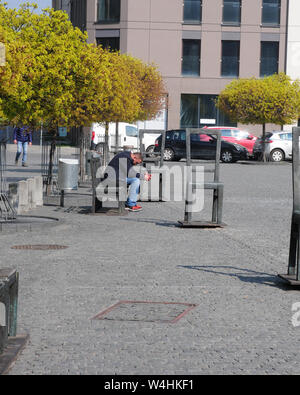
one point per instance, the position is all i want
(10, 342)
(293, 273)
(152, 157)
(216, 186)
(7, 212)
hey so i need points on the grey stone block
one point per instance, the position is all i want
(13, 195)
(38, 191)
(23, 193)
(31, 193)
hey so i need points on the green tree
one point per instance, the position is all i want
(53, 77)
(60, 83)
(133, 91)
(274, 99)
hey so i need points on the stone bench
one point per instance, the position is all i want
(26, 194)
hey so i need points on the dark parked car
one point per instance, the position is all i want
(203, 146)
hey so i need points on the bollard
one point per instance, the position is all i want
(3, 323)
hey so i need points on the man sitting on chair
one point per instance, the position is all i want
(121, 169)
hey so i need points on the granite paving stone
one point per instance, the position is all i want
(242, 323)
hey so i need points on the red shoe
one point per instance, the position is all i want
(134, 208)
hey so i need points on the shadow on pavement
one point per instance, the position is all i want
(158, 222)
(245, 275)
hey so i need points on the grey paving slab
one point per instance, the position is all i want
(242, 321)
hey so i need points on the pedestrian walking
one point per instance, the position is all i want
(23, 138)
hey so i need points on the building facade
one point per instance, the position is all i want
(199, 46)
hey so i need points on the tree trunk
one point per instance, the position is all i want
(82, 152)
(106, 144)
(51, 163)
(117, 138)
(264, 159)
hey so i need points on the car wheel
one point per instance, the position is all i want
(168, 154)
(150, 151)
(226, 156)
(277, 155)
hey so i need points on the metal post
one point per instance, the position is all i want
(293, 273)
(7, 212)
(62, 198)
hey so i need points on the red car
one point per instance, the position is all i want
(237, 136)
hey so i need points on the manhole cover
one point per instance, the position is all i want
(167, 312)
(39, 247)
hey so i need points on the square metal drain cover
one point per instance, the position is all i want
(126, 310)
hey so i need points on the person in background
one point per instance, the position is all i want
(23, 138)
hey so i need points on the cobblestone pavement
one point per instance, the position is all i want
(242, 322)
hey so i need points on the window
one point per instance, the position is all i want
(111, 43)
(240, 134)
(131, 131)
(286, 136)
(195, 109)
(205, 137)
(108, 11)
(191, 57)
(230, 58)
(78, 13)
(271, 12)
(232, 12)
(269, 58)
(226, 133)
(192, 11)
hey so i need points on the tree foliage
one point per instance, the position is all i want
(52, 76)
(274, 99)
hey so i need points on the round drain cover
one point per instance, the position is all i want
(39, 247)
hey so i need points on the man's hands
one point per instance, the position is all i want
(147, 176)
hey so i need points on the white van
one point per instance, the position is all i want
(128, 135)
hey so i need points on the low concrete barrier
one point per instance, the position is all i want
(26, 195)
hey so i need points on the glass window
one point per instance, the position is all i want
(232, 11)
(191, 57)
(226, 133)
(271, 12)
(269, 58)
(192, 11)
(108, 11)
(111, 43)
(195, 109)
(230, 58)
(176, 136)
(131, 131)
(182, 136)
(205, 137)
(240, 134)
(286, 136)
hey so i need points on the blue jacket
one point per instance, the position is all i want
(23, 135)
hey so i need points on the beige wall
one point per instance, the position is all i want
(153, 29)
